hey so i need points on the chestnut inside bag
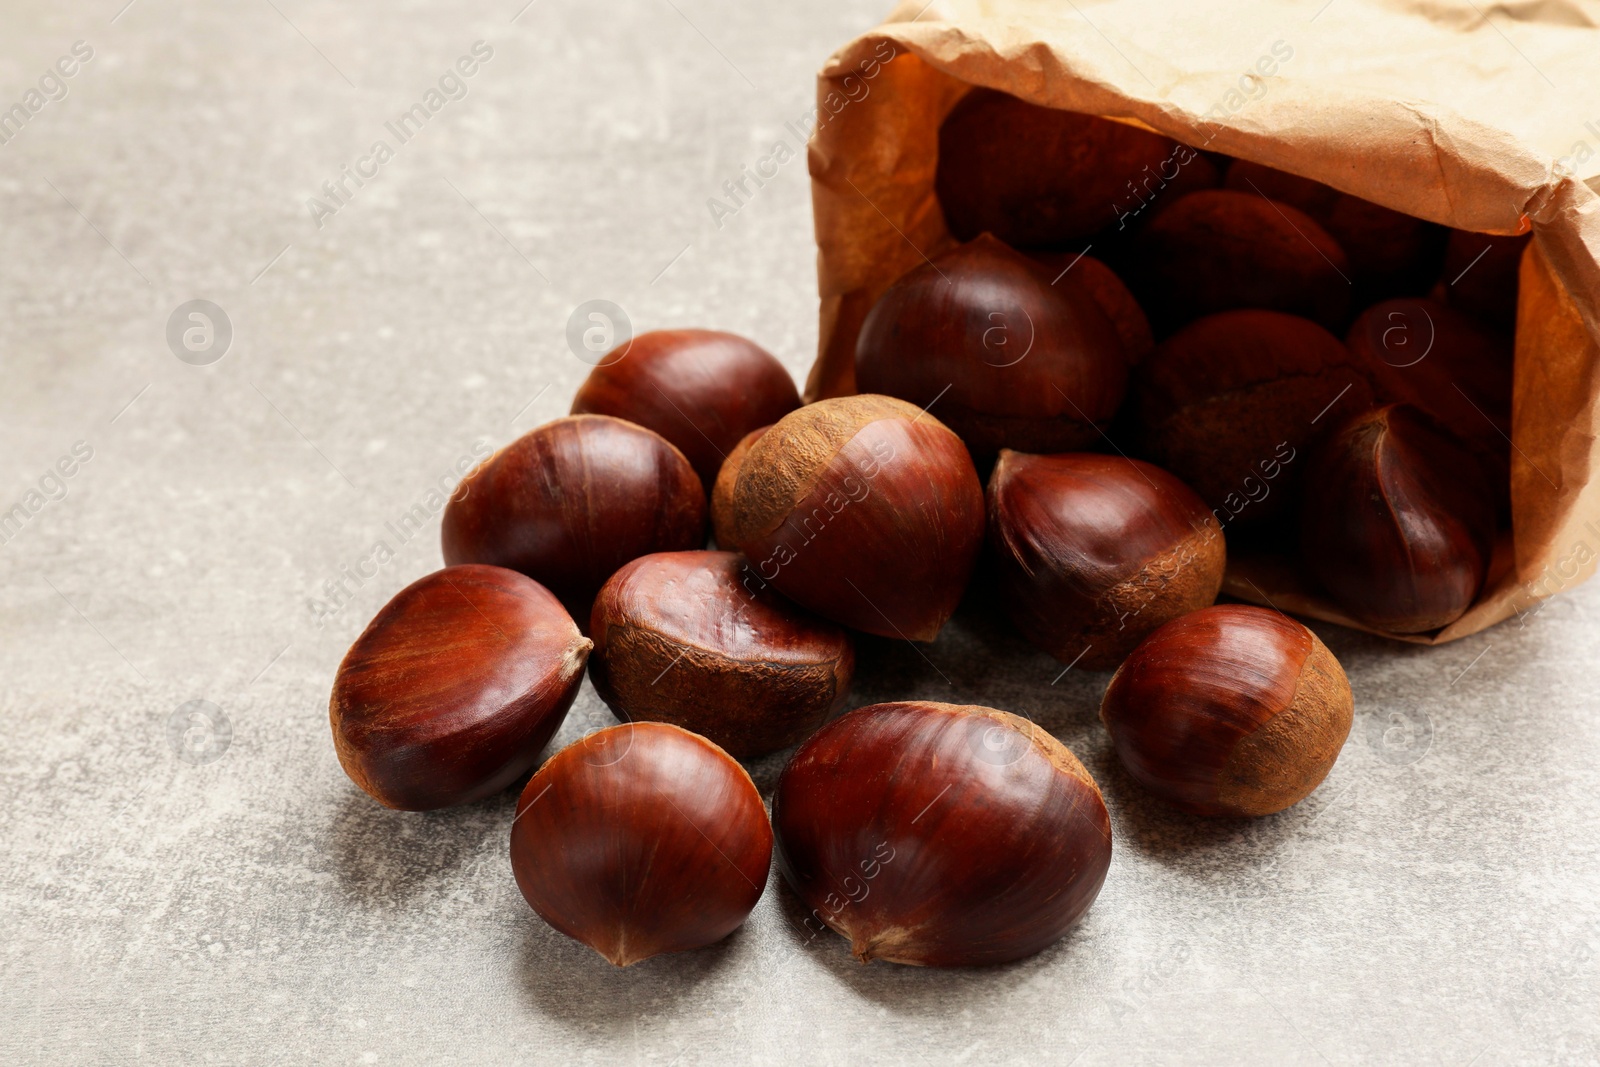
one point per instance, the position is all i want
(1423, 109)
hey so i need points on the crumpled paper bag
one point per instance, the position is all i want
(1483, 118)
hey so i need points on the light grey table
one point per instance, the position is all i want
(1437, 901)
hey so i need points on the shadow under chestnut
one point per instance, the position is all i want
(382, 858)
(901, 988)
(979, 658)
(569, 982)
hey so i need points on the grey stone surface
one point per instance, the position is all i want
(167, 899)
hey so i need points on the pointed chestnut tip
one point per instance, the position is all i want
(889, 946)
(576, 657)
(889, 942)
(621, 956)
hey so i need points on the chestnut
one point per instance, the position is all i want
(700, 389)
(1093, 552)
(1217, 250)
(722, 488)
(1391, 253)
(1455, 367)
(678, 638)
(641, 839)
(1115, 300)
(1229, 404)
(1229, 710)
(1039, 176)
(940, 835)
(865, 510)
(455, 687)
(1481, 274)
(1400, 525)
(1011, 360)
(571, 501)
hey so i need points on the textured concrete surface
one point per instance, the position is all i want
(174, 891)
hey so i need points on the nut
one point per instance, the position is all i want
(1094, 552)
(1230, 710)
(570, 502)
(455, 687)
(680, 639)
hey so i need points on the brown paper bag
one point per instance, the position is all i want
(1481, 122)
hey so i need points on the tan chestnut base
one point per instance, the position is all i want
(1180, 581)
(1282, 763)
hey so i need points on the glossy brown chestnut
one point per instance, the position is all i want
(1481, 275)
(1115, 300)
(1217, 250)
(454, 688)
(722, 489)
(679, 638)
(940, 835)
(864, 509)
(1093, 552)
(700, 389)
(570, 502)
(1455, 367)
(1391, 253)
(1011, 360)
(1038, 176)
(1399, 526)
(1230, 710)
(641, 839)
(1230, 403)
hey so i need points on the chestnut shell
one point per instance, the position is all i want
(1400, 526)
(1109, 292)
(571, 501)
(1219, 250)
(680, 638)
(722, 489)
(1454, 367)
(641, 839)
(455, 687)
(1040, 176)
(702, 390)
(1391, 253)
(1230, 403)
(1007, 359)
(941, 835)
(1093, 552)
(1230, 710)
(864, 510)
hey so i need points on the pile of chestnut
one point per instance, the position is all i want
(1004, 389)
